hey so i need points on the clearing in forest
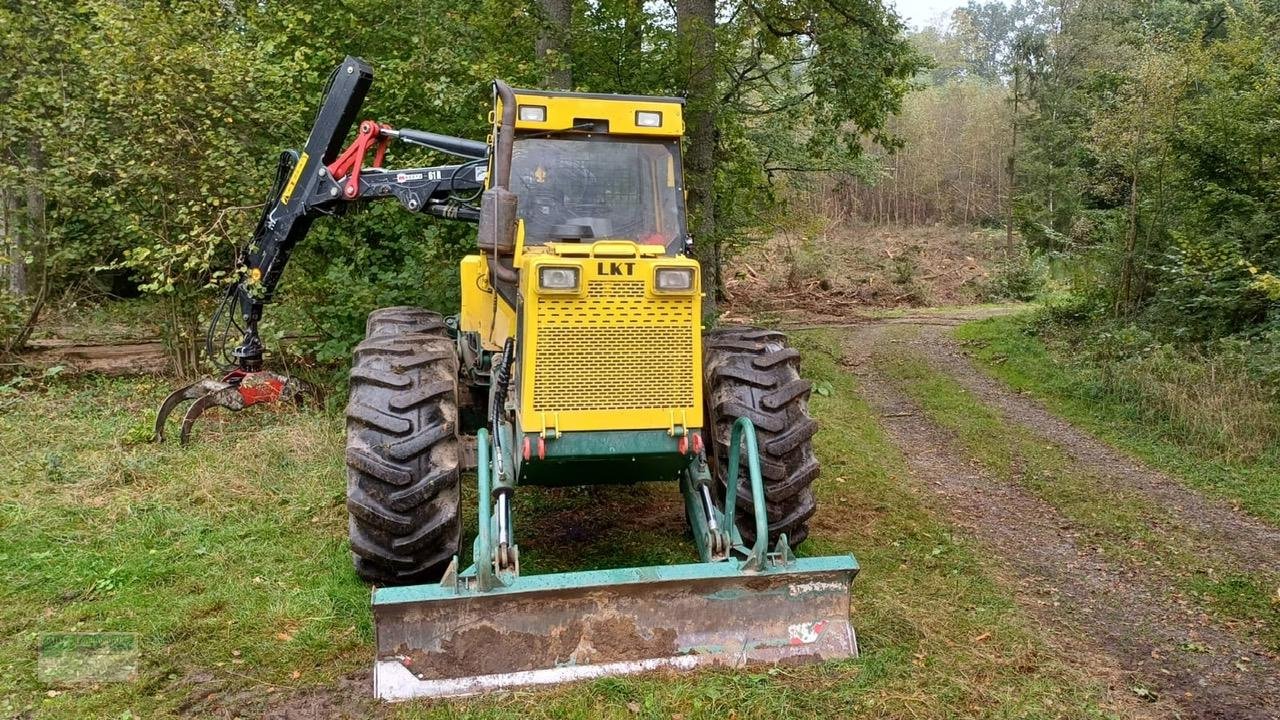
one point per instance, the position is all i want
(1012, 564)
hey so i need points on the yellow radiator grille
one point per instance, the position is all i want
(616, 349)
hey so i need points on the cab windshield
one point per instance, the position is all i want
(582, 189)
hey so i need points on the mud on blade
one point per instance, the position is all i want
(435, 641)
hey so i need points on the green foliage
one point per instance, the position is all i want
(1169, 206)
(160, 123)
(989, 34)
(378, 258)
(1020, 276)
(1066, 310)
(1209, 288)
(13, 315)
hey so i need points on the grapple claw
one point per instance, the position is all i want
(237, 390)
(181, 395)
(301, 392)
(229, 397)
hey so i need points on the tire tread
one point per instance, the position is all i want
(751, 372)
(403, 450)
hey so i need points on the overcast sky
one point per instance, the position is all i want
(918, 13)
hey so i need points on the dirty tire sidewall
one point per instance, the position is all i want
(752, 372)
(403, 451)
(403, 319)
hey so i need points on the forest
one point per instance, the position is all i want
(1026, 252)
(1127, 148)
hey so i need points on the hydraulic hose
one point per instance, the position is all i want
(501, 382)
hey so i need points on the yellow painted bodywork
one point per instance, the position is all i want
(615, 354)
(483, 311)
(620, 112)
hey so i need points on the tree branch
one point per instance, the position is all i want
(787, 105)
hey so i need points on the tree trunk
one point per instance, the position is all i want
(35, 235)
(15, 245)
(1125, 303)
(34, 243)
(695, 24)
(5, 239)
(1013, 178)
(553, 43)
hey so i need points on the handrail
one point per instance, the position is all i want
(743, 429)
(613, 248)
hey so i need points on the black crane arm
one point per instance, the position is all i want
(325, 179)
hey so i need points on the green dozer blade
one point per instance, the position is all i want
(437, 640)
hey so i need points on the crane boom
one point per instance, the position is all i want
(325, 179)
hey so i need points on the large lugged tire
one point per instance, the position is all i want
(750, 372)
(404, 319)
(403, 449)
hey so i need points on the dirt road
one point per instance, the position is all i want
(1121, 618)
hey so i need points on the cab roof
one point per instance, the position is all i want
(621, 114)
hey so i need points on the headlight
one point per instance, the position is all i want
(558, 278)
(673, 280)
(645, 118)
(533, 113)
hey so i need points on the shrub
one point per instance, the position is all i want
(1021, 277)
(13, 315)
(1068, 310)
(1209, 290)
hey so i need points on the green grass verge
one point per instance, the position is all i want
(1023, 361)
(229, 560)
(1122, 523)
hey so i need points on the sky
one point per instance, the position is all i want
(919, 13)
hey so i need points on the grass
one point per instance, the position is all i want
(101, 320)
(1070, 390)
(229, 560)
(1123, 523)
(227, 556)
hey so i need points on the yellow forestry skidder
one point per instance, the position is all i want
(577, 358)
